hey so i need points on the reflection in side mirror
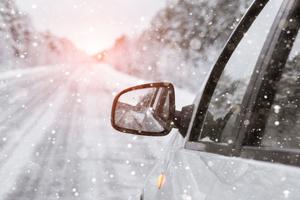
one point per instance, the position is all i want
(145, 110)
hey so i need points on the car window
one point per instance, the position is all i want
(283, 121)
(225, 103)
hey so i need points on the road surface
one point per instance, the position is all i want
(56, 141)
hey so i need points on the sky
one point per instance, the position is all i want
(92, 25)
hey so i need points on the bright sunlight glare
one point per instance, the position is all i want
(92, 25)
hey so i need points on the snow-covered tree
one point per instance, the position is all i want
(22, 45)
(192, 33)
(185, 38)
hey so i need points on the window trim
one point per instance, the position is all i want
(273, 155)
(212, 147)
(263, 66)
(286, 156)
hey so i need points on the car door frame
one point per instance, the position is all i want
(236, 149)
(276, 54)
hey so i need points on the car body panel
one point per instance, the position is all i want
(206, 176)
(191, 174)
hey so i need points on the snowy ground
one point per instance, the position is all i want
(56, 141)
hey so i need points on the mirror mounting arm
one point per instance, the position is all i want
(182, 119)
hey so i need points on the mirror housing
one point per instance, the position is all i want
(147, 109)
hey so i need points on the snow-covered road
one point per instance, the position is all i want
(56, 141)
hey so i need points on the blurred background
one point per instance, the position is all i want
(61, 64)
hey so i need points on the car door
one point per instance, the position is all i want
(204, 168)
(263, 124)
(271, 133)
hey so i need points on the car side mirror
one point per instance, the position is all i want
(147, 109)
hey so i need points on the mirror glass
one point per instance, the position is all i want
(144, 110)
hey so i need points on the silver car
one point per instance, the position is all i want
(240, 139)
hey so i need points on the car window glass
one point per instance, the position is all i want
(224, 107)
(283, 123)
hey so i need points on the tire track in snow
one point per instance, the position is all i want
(33, 185)
(24, 147)
(17, 137)
(32, 101)
(39, 104)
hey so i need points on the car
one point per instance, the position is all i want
(240, 139)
